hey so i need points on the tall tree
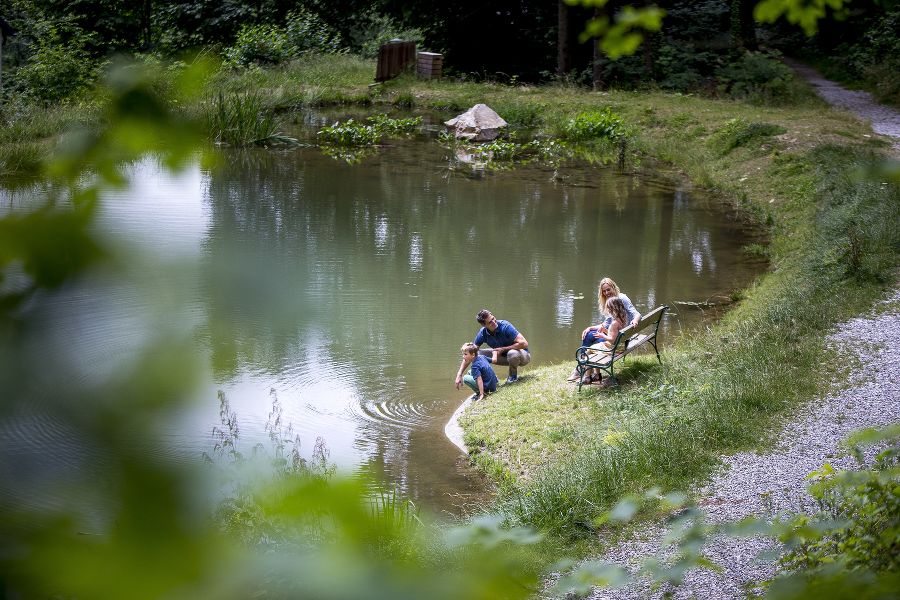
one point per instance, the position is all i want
(743, 27)
(563, 55)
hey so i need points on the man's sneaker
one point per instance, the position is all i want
(512, 379)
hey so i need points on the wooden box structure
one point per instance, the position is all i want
(429, 65)
(393, 58)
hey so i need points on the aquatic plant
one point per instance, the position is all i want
(354, 133)
(349, 133)
(389, 126)
(242, 120)
(503, 151)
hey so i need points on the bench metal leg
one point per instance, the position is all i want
(653, 341)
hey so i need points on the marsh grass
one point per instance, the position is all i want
(242, 120)
(22, 158)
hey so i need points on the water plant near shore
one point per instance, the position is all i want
(242, 120)
(351, 133)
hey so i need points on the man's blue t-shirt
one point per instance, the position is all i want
(481, 367)
(504, 335)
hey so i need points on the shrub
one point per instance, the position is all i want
(860, 511)
(760, 79)
(57, 70)
(371, 30)
(259, 44)
(306, 32)
(593, 125)
(685, 68)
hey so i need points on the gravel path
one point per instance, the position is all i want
(884, 119)
(765, 485)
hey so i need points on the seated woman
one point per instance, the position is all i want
(608, 289)
(618, 320)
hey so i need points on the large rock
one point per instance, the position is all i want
(479, 124)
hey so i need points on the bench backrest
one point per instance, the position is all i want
(650, 319)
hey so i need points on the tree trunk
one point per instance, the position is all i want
(743, 27)
(563, 52)
(649, 54)
(598, 60)
(146, 23)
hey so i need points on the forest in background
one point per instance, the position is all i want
(55, 49)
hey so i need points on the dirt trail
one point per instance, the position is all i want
(884, 119)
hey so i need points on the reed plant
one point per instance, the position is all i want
(21, 158)
(241, 120)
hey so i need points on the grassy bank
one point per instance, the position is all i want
(807, 174)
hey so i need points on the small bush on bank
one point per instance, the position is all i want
(259, 44)
(371, 30)
(306, 32)
(594, 125)
(865, 506)
(760, 79)
(57, 70)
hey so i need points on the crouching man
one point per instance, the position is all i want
(507, 346)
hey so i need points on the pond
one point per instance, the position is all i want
(345, 291)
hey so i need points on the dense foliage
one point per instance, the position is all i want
(709, 46)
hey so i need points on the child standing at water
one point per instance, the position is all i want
(481, 377)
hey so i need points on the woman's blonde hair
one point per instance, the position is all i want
(600, 299)
(616, 308)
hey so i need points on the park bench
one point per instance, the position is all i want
(629, 339)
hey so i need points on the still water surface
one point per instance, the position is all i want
(346, 291)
